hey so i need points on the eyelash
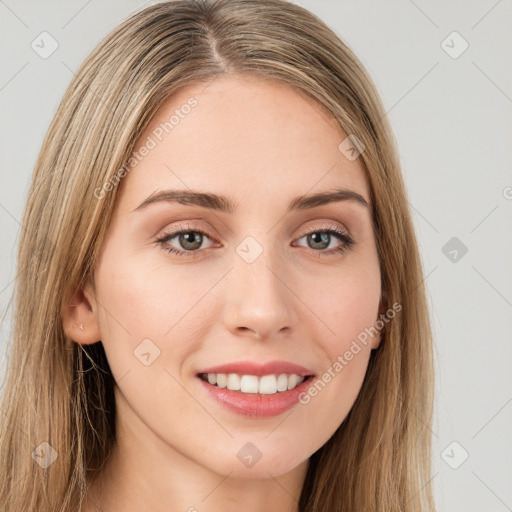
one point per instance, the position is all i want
(347, 241)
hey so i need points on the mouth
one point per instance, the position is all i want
(255, 389)
(270, 384)
(255, 396)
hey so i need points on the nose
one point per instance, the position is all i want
(260, 303)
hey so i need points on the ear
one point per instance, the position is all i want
(80, 316)
(376, 340)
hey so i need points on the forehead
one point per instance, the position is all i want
(248, 136)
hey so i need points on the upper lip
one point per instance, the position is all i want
(258, 369)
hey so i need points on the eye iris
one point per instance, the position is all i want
(190, 237)
(322, 238)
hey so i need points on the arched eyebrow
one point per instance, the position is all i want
(224, 204)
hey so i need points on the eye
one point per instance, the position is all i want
(321, 239)
(189, 239)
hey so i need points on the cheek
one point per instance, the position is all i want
(346, 302)
(144, 308)
(133, 301)
(331, 396)
(351, 312)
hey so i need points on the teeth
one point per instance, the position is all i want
(222, 380)
(282, 382)
(268, 385)
(264, 385)
(249, 384)
(292, 381)
(233, 382)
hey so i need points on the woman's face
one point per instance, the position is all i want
(258, 283)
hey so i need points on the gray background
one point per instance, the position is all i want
(451, 115)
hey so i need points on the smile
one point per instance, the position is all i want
(263, 385)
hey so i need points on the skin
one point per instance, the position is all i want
(261, 144)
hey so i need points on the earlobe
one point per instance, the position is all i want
(376, 342)
(80, 316)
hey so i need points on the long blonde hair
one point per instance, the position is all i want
(59, 392)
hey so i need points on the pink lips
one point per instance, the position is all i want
(253, 404)
(250, 368)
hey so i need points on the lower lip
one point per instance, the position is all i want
(256, 405)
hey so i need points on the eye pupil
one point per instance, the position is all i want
(321, 238)
(192, 237)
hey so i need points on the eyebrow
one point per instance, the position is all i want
(224, 204)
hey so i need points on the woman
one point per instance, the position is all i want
(221, 304)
